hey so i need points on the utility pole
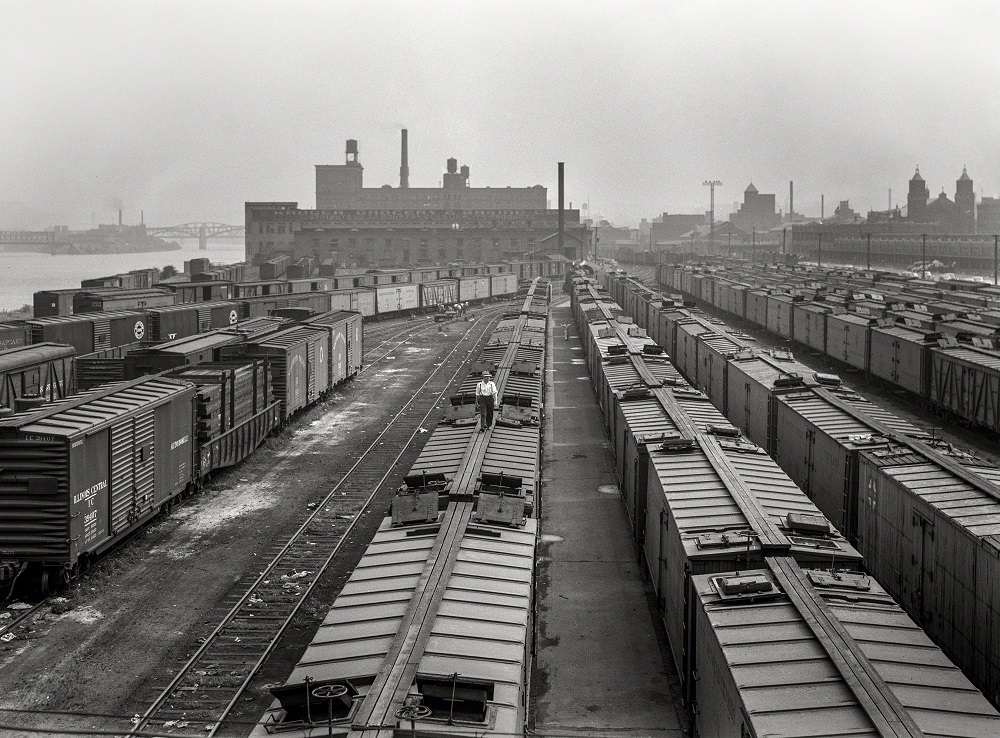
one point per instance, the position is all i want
(711, 183)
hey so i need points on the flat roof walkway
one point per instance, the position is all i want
(601, 666)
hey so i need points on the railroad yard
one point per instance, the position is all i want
(588, 565)
(118, 636)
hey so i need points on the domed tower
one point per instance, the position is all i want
(965, 199)
(916, 199)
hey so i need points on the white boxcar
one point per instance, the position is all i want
(391, 299)
(503, 285)
(360, 300)
(473, 288)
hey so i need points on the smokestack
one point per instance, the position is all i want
(119, 217)
(822, 207)
(561, 215)
(791, 201)
(404, 167)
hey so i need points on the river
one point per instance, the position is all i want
(22, 275)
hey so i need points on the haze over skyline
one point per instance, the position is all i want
(187, 109)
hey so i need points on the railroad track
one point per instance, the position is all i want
(210, 684)
(21, 617)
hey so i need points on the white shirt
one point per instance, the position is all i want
(487, 387)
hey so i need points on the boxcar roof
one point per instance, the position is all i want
(785, 661)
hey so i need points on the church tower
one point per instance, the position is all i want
(916, 199)
(965, 199)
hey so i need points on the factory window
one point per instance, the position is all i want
(333, 243)
(388, 244)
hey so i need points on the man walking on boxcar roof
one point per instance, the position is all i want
(487, 398)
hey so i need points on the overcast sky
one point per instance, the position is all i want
(187, 109)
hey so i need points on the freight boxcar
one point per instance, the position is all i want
(396, 299)
(200, 291)
(50, 303)
(310, 284)
(43, 371)
(781, 313)
(503, 286)
(928, 528)
(92, 331)
(178, 321)
(473, 288)
(785, 650)
(89, 302)
(13, 334)
(275, 268)
(180, 352)
(818, 436)
(253, 307)
(345, 348)
(78, 476)
(298, 361)
(716, 502)
(847, 338)
(965, 381)
(753, 380)
(809, 324)
(358, 300)
(437, 292)
(901, 356)
(260, 288)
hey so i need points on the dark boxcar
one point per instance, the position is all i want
(179, 352)
(87, 301)
(298, 362)
(14, 334)
(179, 321)
(49, 303)
(929, 532)
(275, 268)
(42, 370)
(102, 367)
(77, 476)
(257, 306)
(200, 291)
(345, 349)
(92, 331)
(261, 288)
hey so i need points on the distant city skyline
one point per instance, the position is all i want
(186, 110)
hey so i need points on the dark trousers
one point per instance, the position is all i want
(484, 404)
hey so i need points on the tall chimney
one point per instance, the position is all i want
(561, 215)
(822, 207)
(404, 167)
(791, 201)
(119, 217)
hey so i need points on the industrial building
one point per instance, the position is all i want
(358, 226)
